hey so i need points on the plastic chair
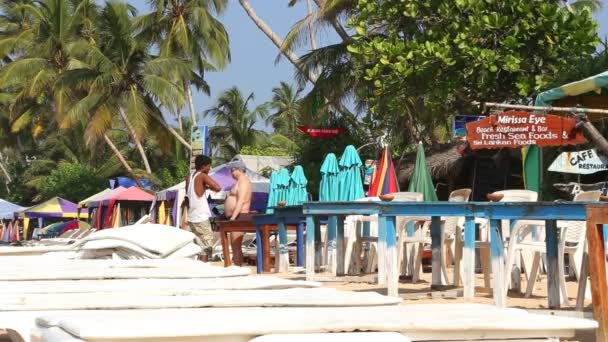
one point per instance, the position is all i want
(571, 242)
(353, 226)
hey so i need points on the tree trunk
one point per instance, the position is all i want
(180, 123)
(136, 141)
(172, 131)
(190, 102)
(336, 25)
(592, 133)
(311, 31)
(6, 175)
(122, 159)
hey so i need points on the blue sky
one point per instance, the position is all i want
(253, 67)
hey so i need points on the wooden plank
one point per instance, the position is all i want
(498, 263)
(596, 216)
(553, 280)
(151, 286)
(469, 257)
(334, 337)
(296, 297)
(436, 250)
(419, 322)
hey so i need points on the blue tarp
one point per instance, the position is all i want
(8, 209)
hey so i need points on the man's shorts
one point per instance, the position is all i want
(204, 235)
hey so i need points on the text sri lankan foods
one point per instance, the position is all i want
(519, 129)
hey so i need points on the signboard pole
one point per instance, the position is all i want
(199, 140)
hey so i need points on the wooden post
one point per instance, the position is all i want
(436, 250)
(340, 245)
(317, 242)
(382, 250)
(259, 249)
(390, 258)
(282, 259)
(300, 243)
(310, 247)
(469, 257)
(553, 280)
(597, 215)
(498, 264)
(266, 248)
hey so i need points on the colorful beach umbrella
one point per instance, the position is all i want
(350, 182)
(384, 179)
(421, 180)
(328, 188)
(297, 193)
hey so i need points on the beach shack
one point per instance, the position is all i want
(53, 210)
(120, 207)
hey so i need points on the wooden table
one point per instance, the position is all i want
(262, 232)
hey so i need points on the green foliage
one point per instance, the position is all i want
(72, 181)
(265, 151)
(426, 60)
(173, 174)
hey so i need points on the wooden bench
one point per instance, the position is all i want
(248, 226)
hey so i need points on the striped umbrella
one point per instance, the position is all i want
(384, 179)
(328, 188)
(591, 84)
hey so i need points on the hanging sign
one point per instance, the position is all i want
(582, 162)
(519, 129)
(321, 132)
(199, 140)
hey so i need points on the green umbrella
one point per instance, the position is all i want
(297, 193)
(272, 195)
(350, 183)
(421, 180)
(282, 185)
(328, 189)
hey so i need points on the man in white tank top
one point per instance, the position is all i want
(198, 207)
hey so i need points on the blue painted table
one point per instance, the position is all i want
(282, 217)
(494, 212)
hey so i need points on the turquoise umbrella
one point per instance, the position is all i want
(282, 185)
(421, 180)
(272, 196)
(350, 183)
(328, 189)
(297, 187)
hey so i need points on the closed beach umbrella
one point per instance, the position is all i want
(272, 195)
(350, 183)
(283, 185)
(421, 180)
(384, 180)
(297, 187)
(328, 189)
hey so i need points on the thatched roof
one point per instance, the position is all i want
(443, 161)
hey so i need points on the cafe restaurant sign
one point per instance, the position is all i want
(321, 132)
(518, 129)
(582, 162)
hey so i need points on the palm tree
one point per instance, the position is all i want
(235, 121)
(118, 75)
(187, 29)
(593, 5)
(286, 106)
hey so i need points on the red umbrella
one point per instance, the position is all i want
(384, 178)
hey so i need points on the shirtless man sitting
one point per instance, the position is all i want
(238, 202)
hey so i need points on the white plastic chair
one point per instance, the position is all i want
(571, 242)
(353, 225)
(484, 240)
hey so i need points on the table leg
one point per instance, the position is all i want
(317, 242)
(332, 262)
(436, 250)
(300, 242)
(266, 248)
(605, 234)
(498, 263)
(552, 264)
(310, 247)
(340, 245)
(382, 229)
(469, 257)
(225, 248)
(283, 257)
(259, 249)
(390, 258)
(596, 216)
